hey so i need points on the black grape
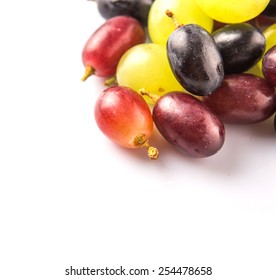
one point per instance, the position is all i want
(241, 46)
(195, 59)
(138, 9)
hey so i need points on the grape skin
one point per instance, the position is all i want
(241, 45)
(195, 59)
(138, 9)
(270, 36)
(125, 118)
(234, 11)
(188, 124)
(104, 48)
(146, 66)
(243, 99)
(269, 66)
(160, 26)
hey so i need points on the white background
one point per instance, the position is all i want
(70, 197)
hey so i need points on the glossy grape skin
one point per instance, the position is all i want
(124, 117)
(195, 59)
(269, 65)
(270, 36)
(160, 26)
(243, 99)
(138, 9)
(108, 43)
(188, 124)
(241, 46)
(146, 66)
(234, 11)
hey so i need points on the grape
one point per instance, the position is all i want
(269, 65)
(270, 9)
(234, 11)
(160, 26)
(195, 59)
(125, 118)
(241, 46)
(243, 99)
(108, 43)
(187, 123)
(270, 35)
(255, 70)
(146, 66)
(138, 9)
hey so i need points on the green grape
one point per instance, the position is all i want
(270, 36)
(234, 11)
(160, 26)
(255, 70)
(146, 66)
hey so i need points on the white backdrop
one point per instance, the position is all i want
(70, 197)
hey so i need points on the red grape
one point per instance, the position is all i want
(108, 43)
(269, 65)
(243, 99)
(125, 118)
(188, 124)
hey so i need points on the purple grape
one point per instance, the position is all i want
(243, 99)
(269, 65)
(188, 124)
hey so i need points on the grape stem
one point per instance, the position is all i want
(142, 142)
(154, 97)
(172, 16)
(89, 71)
(111, 81)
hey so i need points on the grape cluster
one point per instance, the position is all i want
(185, 67)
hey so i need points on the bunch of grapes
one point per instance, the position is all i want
(186, 67)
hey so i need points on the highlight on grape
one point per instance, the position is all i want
(186, 68)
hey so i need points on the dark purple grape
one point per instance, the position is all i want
(138, 9)
(195, 59)
(269, 65)
(243, 99)
(270, 9)
(241, 46)
(188, 124)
